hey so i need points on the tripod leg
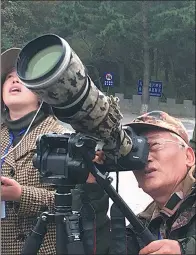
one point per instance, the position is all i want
(118, 231)
(35, 238)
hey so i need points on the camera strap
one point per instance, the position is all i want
(88, 219)
(118, 231)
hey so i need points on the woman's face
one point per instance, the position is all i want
(16, 95)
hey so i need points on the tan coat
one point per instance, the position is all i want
(21, 217)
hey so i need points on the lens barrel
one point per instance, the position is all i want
(49, 67)
(63, 83)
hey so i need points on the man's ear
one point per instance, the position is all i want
(190, 157)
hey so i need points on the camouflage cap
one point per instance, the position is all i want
(159, 119)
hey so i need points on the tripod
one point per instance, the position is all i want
(68, 227)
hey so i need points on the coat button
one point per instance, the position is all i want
(12, 172)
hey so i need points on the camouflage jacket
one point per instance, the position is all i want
(180, 225)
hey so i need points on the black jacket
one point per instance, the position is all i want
(92, 203)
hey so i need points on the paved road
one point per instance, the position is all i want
(128, 188)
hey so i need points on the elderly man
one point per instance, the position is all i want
(169, 178)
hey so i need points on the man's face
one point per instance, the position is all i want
(168, 162)
(15, 94)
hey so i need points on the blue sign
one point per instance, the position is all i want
(108, 79)
(155, 88)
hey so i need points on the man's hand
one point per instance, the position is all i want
(164, 246)
(10, 189)
(99, 158)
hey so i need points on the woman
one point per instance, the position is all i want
(25, 197)
(21, 189)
